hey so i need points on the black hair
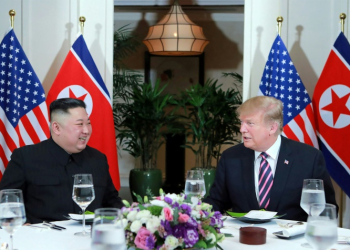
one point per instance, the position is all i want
(64, 104)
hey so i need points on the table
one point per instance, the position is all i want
(29, 238)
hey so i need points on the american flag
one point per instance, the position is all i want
(23, 110)
(281, 80)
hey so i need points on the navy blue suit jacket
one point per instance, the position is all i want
(234, 185)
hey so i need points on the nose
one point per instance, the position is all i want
(243, 128)
(86, 129)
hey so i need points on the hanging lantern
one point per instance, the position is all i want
(175, 35)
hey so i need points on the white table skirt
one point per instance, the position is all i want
(30, 238)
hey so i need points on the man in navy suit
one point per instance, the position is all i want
(239, 183)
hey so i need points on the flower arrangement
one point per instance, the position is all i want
(171, 221)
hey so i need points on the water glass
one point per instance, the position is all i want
(321, 229)
(83, 195)
(12, 213)
(195, 183)
(313, 192)
(108, 230)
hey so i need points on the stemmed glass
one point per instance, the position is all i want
(195, 183)
(108, 229)
(12, 213)
(83, 195)
(313, 192)
(321, 230)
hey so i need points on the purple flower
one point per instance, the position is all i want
(168, 200)
(212, 221)
(191, 237)
(186, 208)
(167, 227)
(150, 241)
(176, 205)
(205, 213)
(217, 215)
(179, 231)
(191, 223)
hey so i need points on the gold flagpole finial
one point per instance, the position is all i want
(82, 20)
(12, 14)
(342, 19)
(279, 21)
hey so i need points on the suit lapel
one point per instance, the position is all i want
(284, 164)
(248, 177)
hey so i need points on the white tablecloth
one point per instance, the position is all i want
(30, 238)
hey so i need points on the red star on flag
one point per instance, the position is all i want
(338, 106)
(72, 95)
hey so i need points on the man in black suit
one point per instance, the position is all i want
(239, 183)
(45, 171)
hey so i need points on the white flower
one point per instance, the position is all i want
(211, 238)
(124, 222)
(143, 216)
(206, 206)
(135, 226)
(159, 203)
(132, 216)
(175, 198)
(171, 242)
(153, 224)
(195, 214)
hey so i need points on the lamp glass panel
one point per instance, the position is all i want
(157, 32)
(185, 31)
(198, 32)
(170, 44)
(156, 45)
(170, 31)
(185, 44)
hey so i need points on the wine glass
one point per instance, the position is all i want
(313, 192)
(108, 229)
(83, 195)
(321, 230)
(195, 183)
(12, 213)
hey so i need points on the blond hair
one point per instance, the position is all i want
(271, 107)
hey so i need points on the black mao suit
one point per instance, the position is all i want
(234, 185)
(45, 171)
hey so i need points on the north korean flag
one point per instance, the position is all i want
(332, 110)
(79, 78)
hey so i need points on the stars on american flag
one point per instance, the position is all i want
(281, 80)
(20, 88)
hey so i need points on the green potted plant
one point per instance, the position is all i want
(142, 131)
(211, 122)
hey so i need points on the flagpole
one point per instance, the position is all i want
(12, 14)
(279, 21)
(342, 20)
(82, 20)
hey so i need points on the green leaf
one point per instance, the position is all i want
(155, 210)
(138, 197)
(236, 215)
(200, 244)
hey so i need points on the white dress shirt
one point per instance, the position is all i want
(273, 153)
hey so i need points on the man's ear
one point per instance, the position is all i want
(273, 128)
(56, 128)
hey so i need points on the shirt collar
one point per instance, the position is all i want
(272, 151)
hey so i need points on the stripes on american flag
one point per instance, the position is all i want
(23, 110)
(281, 80)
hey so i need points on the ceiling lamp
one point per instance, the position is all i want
(175, 35)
